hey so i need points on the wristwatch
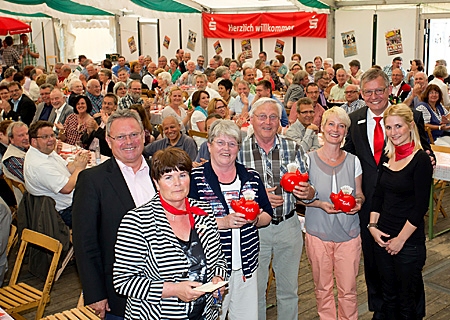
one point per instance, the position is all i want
(372, 225)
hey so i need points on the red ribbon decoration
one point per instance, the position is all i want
(189, 210)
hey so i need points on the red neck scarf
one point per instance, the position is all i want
(403, 151)
(189, 210)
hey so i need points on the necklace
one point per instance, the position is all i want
(331, 158)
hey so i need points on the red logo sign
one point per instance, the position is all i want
(264, 25)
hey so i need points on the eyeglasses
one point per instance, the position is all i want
(313, 92)
(221, 107)
(46, 136)
(308, 112)
(263, 117)
(123, 137)
(378, 92)
(222, 144)
(353, 91)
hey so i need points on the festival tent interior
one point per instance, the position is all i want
(67, 28)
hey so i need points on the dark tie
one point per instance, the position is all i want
(378, 140)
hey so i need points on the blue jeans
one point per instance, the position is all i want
(402, 282)
(110, 316)
(66, 215)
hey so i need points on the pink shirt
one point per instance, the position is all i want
(139, 183)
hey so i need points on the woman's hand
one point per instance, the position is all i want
(59, 126)
(377, 234)
(235, 220)
(328, 207)
(357, 207)
(215, 280)
(394, 245)
(185, 291)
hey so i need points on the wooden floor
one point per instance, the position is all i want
(436, 274)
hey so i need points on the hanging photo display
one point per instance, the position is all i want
(218, 47)
(166, 42)
(132, 45)
(279, 46)
(246, 46)
(192, 39)
(349, 43)
(394, 42)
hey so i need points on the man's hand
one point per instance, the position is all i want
(100, 308)
(275, 200)
(304, 191)
(313, 127)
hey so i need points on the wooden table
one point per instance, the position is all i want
(441, 172)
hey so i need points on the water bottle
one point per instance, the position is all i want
(98, 157)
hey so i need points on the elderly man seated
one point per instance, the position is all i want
(173, 138)
(47, 174)
(353, 102)
(337, 92)
(399, 89)
(303, 131)
(12, 160)
(133, 96)
(188, 77)
(94, 93)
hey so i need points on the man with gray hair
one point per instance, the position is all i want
(94, 93)
(133, 96)
(103, 195)
(61, 110)
(420, 83)
(281, 241)
(353, 102)
(243, 100)
(13, 159)
(188, 77)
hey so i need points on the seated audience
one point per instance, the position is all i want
(173, 70)
(355, 72)
(200, 101)
(61, 110)
(352, 100)
(225, 87)
(76, 88)
(105, 77)
(176, 108)
(297, 89)
(94, 94)
(13, 158)
(220, 107)
(303, 131)
(120, 89)
(399, 89)
(75, 123)
(44, 108)
(312, 92)
(148, 129)
(337, 92)
(420, 83)
(173, 137)
(440, 73)
(47, 174)
(133, 96)
(434, 114)
(23, 107)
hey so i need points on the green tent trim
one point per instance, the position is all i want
(21, 14)
(165, 5)
(65, 6)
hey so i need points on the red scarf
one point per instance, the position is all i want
(189, 210)
(403, 151)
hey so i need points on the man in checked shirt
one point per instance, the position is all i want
(269, 154)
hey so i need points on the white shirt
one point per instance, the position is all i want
(139, 183)
(46, 175)
(371, 126)
(58, 115)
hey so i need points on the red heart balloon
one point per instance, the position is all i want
(248, 207)
(292, 179)
(343, 202)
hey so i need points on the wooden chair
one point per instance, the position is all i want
(439, 187)
(19, 297)
(193, 133)
(15, 184)
(49, 60)
(12, 239)
(82, 313)
(430, 135)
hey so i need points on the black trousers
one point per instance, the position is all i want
(402, 282)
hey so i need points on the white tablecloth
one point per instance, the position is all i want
(442, 170)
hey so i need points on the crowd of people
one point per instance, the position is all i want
(155, 221)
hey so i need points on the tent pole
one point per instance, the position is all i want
(180, 34)
(374, 39)
(331, 32)
(139, 37)
(159, 39)
(45, 48)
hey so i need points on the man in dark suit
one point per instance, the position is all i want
(102, 196)
(23, 106)
(359, 141)
(45, 107)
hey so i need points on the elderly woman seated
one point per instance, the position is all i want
(434, 114)
(168, 247)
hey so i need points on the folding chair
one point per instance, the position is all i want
(19, 297)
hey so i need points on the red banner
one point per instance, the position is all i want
(264, 25)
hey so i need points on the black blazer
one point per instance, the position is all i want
(100, 201)
(357, 143)
(26, 109)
